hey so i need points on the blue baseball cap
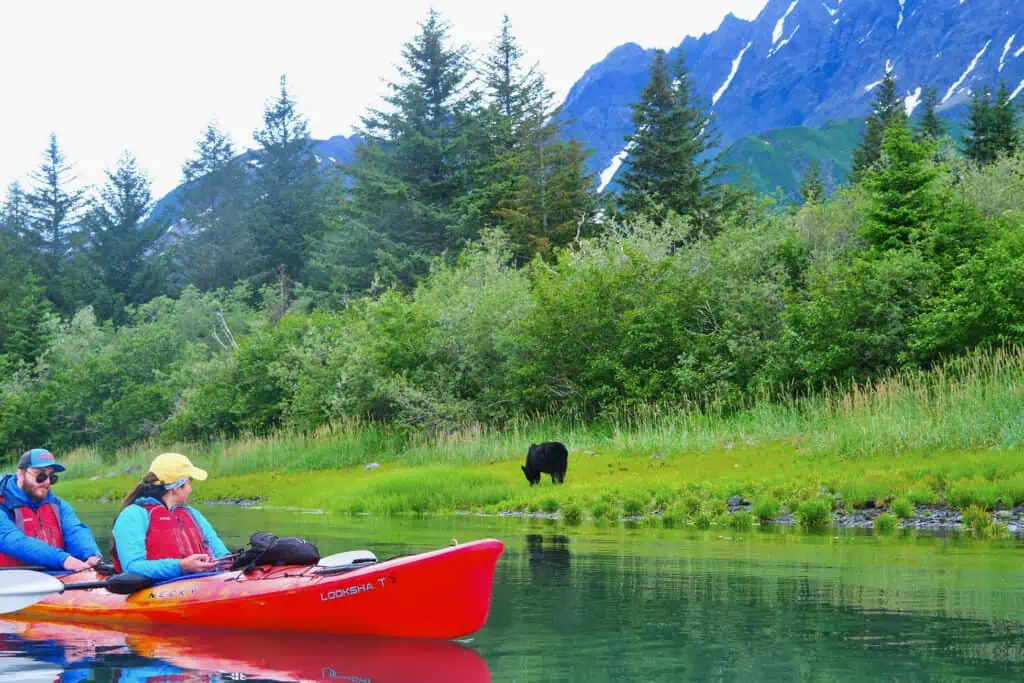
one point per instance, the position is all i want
(39, 458)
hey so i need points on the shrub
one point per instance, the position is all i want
(767, 509)
(902, 508)
(602, 511)
(741, 521)
(815, 514)
(673, 516)
(572, 514)
(885, 523)
(632, 507)
(977, 519)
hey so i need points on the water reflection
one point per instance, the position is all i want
(549, 558)
(65, 652)
(611, 604)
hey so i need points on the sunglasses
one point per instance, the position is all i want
(43, 476)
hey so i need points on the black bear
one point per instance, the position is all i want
(551, 457)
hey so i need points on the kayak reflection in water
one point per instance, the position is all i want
(148, 654)
(156, 533)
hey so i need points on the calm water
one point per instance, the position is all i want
(609, 605)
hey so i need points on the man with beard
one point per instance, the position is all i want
(36, 527)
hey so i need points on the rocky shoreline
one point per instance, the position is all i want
(937, 519)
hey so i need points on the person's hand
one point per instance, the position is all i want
(73, 564)
(93, 560)
(196, 564)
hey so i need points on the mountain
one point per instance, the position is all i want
(329, 154)
(776, 160)
(809, 62)
(790, 84)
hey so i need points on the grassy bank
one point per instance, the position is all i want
(954, 435)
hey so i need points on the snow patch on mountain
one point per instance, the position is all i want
(1006, 50)
(732, 74)
(613, 168)
(967, 72)
(783, 43)
(888, 69)
(911, 101)
(780, 25)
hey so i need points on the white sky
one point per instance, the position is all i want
(137, 75)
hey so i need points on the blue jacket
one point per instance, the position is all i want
(130, 529)
(78, 539)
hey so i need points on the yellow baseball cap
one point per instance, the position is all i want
(171, 467)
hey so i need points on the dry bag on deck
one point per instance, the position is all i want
(265, 548)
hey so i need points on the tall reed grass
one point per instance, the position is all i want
(952, 433)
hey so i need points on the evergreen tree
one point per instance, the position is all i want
(219, 249)
(417, 161)
(886, 110)
(992, 125)
(812, 189)
(16, 252)
(668, 168)
(14, 213)
(23, 311)
(979, 143)
(122, 237)
(1004, 123)
(531, 184)
(55, 208)
(904, 204)
(23, 304)
(931, 126)
(286, 216)
(517, 97)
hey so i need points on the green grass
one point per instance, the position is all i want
(953, 435)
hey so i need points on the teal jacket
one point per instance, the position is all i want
(130, 529)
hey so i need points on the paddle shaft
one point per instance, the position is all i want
(86, 585)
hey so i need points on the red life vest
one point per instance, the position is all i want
(42, 524)
(172, 534)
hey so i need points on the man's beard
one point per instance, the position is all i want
(33, 493)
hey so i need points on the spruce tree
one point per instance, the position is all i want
(418, 160)
(931, 126)
(668, 168)
(979, 143)
(886, 110)
(1005, 126)
(531, 183)
(23, 311)
(55, 207)
(218, 249)
(812, 189)
(121, 238)
(287, 215)
(904, 203)
(23, 303)
(14, 212)
(992, 125)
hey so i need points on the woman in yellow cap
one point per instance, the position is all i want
(156, 534)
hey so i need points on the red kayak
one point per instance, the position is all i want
(246, 655)
(439, 594)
